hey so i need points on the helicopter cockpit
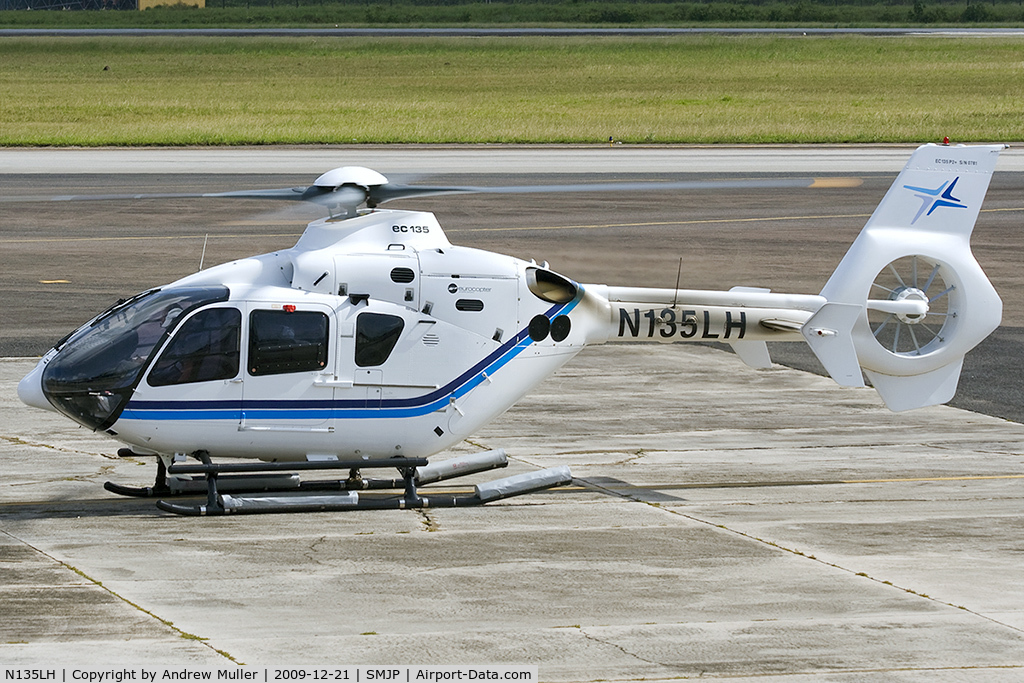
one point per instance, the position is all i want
(93, 371)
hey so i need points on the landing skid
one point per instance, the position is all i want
(262, 487)
(159, 487)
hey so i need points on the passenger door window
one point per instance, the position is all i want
(282, 342)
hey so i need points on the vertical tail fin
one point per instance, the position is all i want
(923, 300)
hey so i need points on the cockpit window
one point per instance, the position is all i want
(550, 287)
(92, 376)
(204, 349)
(376, 336)
(282, 341)
(119, 304)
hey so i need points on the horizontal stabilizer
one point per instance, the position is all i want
(829, 334)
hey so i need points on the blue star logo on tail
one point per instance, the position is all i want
(936, 199)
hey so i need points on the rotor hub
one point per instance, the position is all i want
(910, 294)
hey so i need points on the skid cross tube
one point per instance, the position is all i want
(271, 487)
(215, 501)
(508, 487)
(249, 476)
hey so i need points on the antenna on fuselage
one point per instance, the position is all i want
(202, 257)
(679, 274)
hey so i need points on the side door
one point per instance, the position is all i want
(289, 354)
(408, 364)
(195, 383)
(368, 333)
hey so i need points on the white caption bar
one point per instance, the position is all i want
(261, 674)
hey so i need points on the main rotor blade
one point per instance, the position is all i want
(291, 193)
(348, 195)
(391, 191)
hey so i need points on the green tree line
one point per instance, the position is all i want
(518, 12)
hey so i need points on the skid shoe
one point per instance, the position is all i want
(159, 488)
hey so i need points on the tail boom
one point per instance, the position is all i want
(905, 304)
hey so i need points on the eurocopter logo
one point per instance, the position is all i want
(936, 199)
(455, 289)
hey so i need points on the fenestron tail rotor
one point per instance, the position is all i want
(913, 304)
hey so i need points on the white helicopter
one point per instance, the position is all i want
(375, 342)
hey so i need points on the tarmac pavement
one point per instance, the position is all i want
(723, 523)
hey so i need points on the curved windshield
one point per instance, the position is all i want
(93, 374)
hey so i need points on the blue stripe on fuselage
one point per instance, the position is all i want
(345, 409)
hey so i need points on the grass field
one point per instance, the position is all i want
(214, 91)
